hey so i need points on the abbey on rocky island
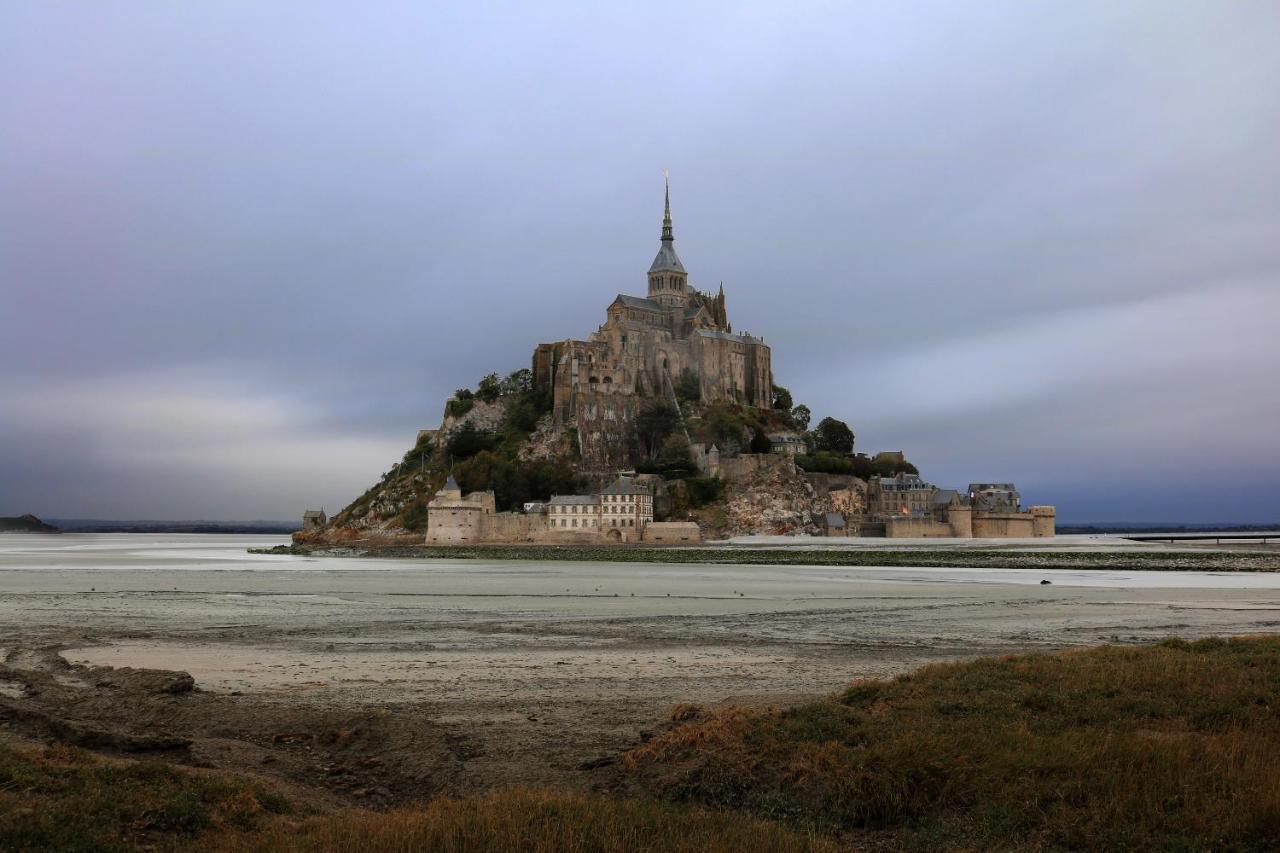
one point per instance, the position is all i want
(647, 345)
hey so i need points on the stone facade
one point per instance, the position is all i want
(453, 518)
(314, 519)
(788, 443)
(994, 497)
(619, 512)
(908, 507)
(904, 494)
(643, 349)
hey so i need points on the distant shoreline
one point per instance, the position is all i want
(1155, 560)
(265, 528)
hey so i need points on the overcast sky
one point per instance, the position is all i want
(248, 248)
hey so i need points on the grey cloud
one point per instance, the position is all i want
(342, 216)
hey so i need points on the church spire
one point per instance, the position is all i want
(667, 236)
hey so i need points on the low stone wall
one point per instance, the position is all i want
(915, 527)
(672, 532)
(743, 465)
(1002, 525)
(513, 527)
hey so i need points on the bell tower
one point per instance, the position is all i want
(668, 282)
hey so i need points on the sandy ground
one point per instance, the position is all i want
(457, 676)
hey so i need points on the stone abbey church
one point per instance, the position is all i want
(643, 349)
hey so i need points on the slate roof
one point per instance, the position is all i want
(571, 500)
(835, 519)
(667, 259)
(624, 486)
(727, 336)
(638, 302)
(451, 484)
(942, 497)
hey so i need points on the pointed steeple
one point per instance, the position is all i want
(667, 260)
(667, 236)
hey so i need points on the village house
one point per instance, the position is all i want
(620, 512)
(902, 494)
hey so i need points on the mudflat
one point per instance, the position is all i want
(386, 680)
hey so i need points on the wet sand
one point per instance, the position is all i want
(536, 666)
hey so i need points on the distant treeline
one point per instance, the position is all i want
(91, 525)
(1166, 528)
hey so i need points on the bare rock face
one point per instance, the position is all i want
(548, 441)
(486, 417)
(773, 501)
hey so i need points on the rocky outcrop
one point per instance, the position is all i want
(774, 500)
(486, 417)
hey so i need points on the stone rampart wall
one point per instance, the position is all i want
(742, 466)
(915, 527)
(1002, 525)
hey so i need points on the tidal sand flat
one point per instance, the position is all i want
(459, 675)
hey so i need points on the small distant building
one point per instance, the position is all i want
(891, 457)
(994, 497)
(787, 443)
(314, 519)
(534, 507)
(573, 512)
(626, 504)
(944, 501)
(902, 494)
(672, 532)
(453, 518)
(621, 511)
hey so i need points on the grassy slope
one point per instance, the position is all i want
(1174, 746)
(67, 799)
(63, 798)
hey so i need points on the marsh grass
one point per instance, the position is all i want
(67, 799)
(533, 821)
(1174, 746)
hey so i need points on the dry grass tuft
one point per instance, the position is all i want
(1172, 746)
(530, 821)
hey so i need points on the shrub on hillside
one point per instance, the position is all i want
(825, 462)
(467, 441)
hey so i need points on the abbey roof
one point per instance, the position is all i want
(667, 259)
(638, 302)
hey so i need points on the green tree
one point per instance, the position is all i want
(703, 490)
(782, 401)
(654, 423)
(467, 441)
(688, 387)
(760, 442)
(726, 427)
(833, 435)
(800, 416)
(825, 462)
(521, 417)
(489, 388)
(888, 467)
(518, 382)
